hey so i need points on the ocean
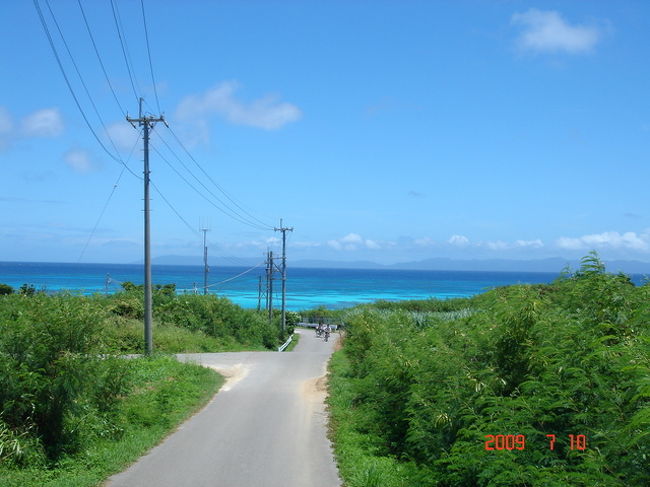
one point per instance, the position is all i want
(306, 288)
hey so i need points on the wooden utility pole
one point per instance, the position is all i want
(284, 231)
(259, 294)
(147, 123)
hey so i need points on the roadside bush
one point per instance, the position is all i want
(6, 289)
(568, 358)
(49, 366)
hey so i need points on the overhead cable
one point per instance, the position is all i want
(235, 214)
(146, 35)
(173, 208)
(237, 276)
(222, 210)
(101, 214)
(81, 79)
(125, 52)
(99, 58)
(46, 29)
(223, 191)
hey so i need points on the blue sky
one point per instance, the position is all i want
(384, 131)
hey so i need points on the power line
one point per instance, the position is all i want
(81, 79)
(239, 216)
(223, 191)
(46, 29)
(233, 214)
(118, 23)
(99, 58)
(146, 35)
(173, 209)
(238, 275)
(101, 214)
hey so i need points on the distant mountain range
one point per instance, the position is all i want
(555, 264)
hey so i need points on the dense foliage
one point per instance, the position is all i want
(61, 379)
(99, 438)
(421, 390)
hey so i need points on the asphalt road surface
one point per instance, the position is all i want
(265, 428)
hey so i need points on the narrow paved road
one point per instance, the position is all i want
(265, 428)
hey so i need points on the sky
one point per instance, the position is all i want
(387, 131)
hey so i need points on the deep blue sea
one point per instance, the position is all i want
(306, 288)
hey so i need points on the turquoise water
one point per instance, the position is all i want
(306, 288)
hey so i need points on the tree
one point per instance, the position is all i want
(6, 289)
(27, 290)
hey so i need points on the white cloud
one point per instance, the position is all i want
(497, 245)
(612, 240)
(548, 31)
(371, 244)
(501, 245)
(272, 240)
(353, 241)
(78, 160)
(43, 123)
(424, 242)
(304, 245)
(458, 240)
(123, 135)
(267, 112)
(535, 244)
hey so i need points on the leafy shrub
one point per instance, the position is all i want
(49, 365)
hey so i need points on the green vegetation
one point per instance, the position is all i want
(418, 386)
(72, 411)
(294, 342)
(102, 431)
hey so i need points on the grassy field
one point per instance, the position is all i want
(421, 392)
(160, 394)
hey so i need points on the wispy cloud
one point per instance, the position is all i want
(123, 135)
(43, 123)
(548, 31)
(458, 240)
(304, 244)
(606, 240)
(261, 243)
(535, 244)
(268, 112)
(79, 160)
(424, 242)
(353, 241)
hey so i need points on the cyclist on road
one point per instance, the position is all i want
(328, 330)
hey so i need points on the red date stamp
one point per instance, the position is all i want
(518, 442)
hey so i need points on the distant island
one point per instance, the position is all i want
(554, 264)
